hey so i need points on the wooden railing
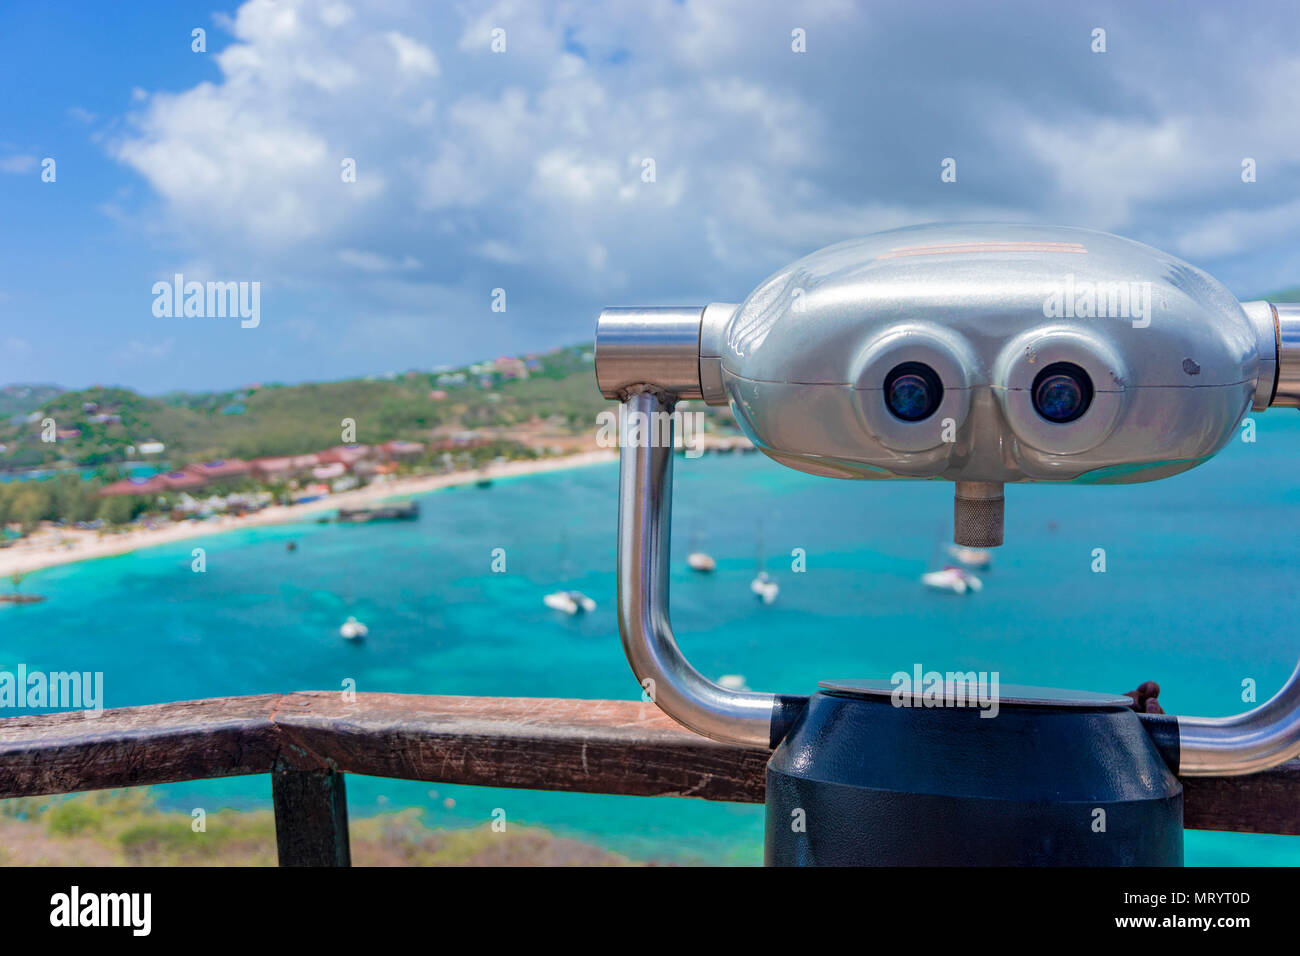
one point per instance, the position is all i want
(308, 741)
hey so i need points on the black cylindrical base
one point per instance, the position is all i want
(861, 782)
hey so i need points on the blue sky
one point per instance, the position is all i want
(522, 170)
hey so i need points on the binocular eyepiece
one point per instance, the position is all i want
(980, 354)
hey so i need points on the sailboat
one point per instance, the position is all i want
(954, 579)
(763, 586)
(702, 562)
(569, 601)
(353, 630)
(699, 560)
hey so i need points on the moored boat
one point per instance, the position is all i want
(569, 602)
(398, 511)
(702, 562)
(353, 630)
(952, 578)
(764, 587)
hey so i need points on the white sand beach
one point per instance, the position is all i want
(64, 546)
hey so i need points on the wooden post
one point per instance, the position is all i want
(311, 817)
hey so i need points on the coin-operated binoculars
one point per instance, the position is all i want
(983, 355)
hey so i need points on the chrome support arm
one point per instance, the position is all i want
(649, 358)
(1247, 743)
(644, 523)
(1270, 733)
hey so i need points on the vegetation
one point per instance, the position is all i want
(75, 442)
(66, 498)
(125, 827)
(23, 399)
(101, 426)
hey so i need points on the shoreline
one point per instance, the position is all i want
(76, 546)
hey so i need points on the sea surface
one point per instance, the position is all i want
(1198, 593)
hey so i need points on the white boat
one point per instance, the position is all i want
(971, 557)
(702, 562)
(353, 630)
(956, 580)
(764, 588)
(733, 682)
(570, 602)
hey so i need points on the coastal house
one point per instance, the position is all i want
(511, 367)
(346, 455)
(134, 486)
(328, 472)
(186, 480)
(312, 492)
(151, 448)
(181, 481)
(283, 466)
(401, 449)
(221, 469)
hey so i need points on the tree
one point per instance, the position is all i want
(29, 504)
(117, 509)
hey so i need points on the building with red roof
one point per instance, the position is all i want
(283, 466)
(346, 455)
(181, 481)
(134, 486)
(220, 469)
(402, 449)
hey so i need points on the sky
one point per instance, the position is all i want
(527, 169)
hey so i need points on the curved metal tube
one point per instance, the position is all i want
(1270, 733)
(1209, 746)
(644, 525)
(1256, 740)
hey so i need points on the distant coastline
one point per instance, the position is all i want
(75, 545)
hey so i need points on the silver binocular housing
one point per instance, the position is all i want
(980, 354)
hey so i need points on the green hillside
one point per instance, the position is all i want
(24, 399)
(292, 419)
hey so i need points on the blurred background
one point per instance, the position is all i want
(418, 210)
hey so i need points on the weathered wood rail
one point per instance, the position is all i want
(308, 741)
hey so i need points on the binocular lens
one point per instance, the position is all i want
(1062, 392)
(912, 391)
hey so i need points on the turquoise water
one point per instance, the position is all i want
(1198, 589)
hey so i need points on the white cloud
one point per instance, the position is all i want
(375, 262)
(524, 169)
(413, 57)
(18, 163)
(1234, 231)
